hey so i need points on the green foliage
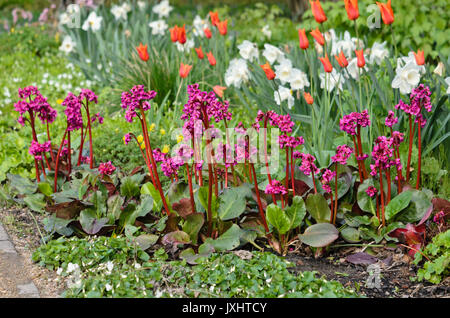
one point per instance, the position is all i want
(115, 267)
(37, 40)
(438, 251)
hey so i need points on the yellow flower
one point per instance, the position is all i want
(162, 131)
(59, 101)
(152, 126)
(143, 145)
(116, 130)
(165, 149)
(180, 138)
(140, 139)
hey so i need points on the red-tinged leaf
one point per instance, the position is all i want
(441, 205)
(136, 170)
(426, 216)
(183, 207)
(411, 235)
(361, 258)
(66, 210)
(176, 238)
(300, 187)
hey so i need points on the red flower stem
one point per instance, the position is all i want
(49, 139)
(266, 158)
(411, 137)
(356, 157)
(292, 172)
(226, 177)
(55, 187)
(388, 179)
(258, 199)
(228, 143)
(382, 197)
(46, 161)
(210, 172)
(286, 180)
(69, 153)
(250, 173)
(216, 185)
(43, 169)
(335, 194)
(80, 151)
(331, 207)
(314, 182)
(91, 153)
(363, 166)
(419, 160)
(150, 152)
(36, 165)
(378, 207)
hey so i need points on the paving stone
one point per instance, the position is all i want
(28, 290)
(7, 247)
(3, 235)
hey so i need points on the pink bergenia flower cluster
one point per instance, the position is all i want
(73, 112)
(371, 191)
(391, 120)
(244, 151)
(170, 165)
(37, 105)
(290, 141)
(275, 188)
(397, 138)
(343, 152)
(135, 98)
(99, 117)
(106, 168)
(420, 97)
(127, 138)
(308, 165)
(350, 122)
(36, 149)
(381, 154)
(327, 176)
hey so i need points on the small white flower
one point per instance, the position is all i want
(141, 5)
(331, 80)
(162, 9)
(158, 27)
(109, 266)
(59, 271)
(298, 80)
(378, 53)
(186, 47)
(282, 94)
(92, 22)
(108, 287)
(439, 70)
(137, 265)
(199, 25)
(272, 53)
(248, 50)
(119, 12)
(266, 31)
(72, 267)
(346, 45)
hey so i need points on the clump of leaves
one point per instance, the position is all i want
(115, 267)
(438, 254)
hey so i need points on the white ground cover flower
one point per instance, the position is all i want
(272, 53)
(282, 94)
(162, 9)
(298, 79)
(333, 80)
(158, 27)
(237, 73)
(67, 45)
(72, 268)
(248, 50)
(378, 53)
(92, 22)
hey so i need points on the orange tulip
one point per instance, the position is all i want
(211, 58)
(207, 32)
(184, 70)
(302, 39)
(360, 58)
(268, 70)
(318, 36)
(317, 11)
(174, 33)
(387, 14)
(351, 6)
(326, 63)
(222, 26)
(341, 59)
(214, 18)
(420, 57)
(308, 98)
(182, 35)
(142, 51)
(219, 90)
(200, 52)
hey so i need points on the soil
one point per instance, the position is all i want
(394, 264)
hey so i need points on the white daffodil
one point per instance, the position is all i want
(158, 27)
(67, 45)
(282, 94)
(378, 53)
(142, 5)
(266, 31)
(439, 70)
(120, 12)
(186, 47)
(283, 70)
(162, 9)
(70, 13)
(410, 59)
(199, 25)
(272, 53)
(353, 69)
(298, 80)
(248, 50)
(92, 22)
(331, 81)
(406, 78)
(346, 45)
(447, 81)
(237, 73)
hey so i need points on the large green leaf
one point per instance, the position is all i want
(278, 218)
(203, 197)
(114, 204)
(417, 208)
(90, 223)
(231, 204)
(149, 189)
(131, 185)
(35, 202)
(296, 212)
(397, 204)
(365, 202)
(193, 225)
(319, 235)
(21, 184)
(318, 207)
(228, 240)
